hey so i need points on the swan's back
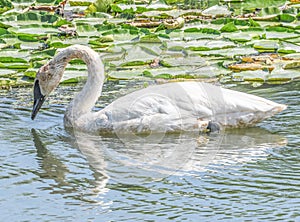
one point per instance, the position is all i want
(184, 106)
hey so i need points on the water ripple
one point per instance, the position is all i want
(46, 176)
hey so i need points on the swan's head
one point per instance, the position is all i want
(47, 79)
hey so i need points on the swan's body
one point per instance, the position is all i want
(172, 107)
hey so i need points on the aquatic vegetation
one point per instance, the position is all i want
(163, 39)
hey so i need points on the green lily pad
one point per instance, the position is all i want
(136, 56)
(15, 66)
(126, 74)
(30, 73)
(257, 75)
(28, 37)
(288, 48)
(13, 55)
(6, 5)
(272, 10)
(200, 33)
(152, 38)
(73, 75)
(241, 36)
(10, 59)
(292, 64)
(283, 75)
(217, 11)
(292, 56)
(172, 72)
(7, 72)
(229, 53)
(201, 45)
(86, 30)
(184, 61)
(281, 35)
(287, 17)
(3, 31)
(266, 45)
(230, 27)
(80, 3)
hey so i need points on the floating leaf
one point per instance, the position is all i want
(228, 53)
(293, 56)
(266, 46)
(292, 65)
(282, 75)
(5, 6)
(28, 37)
(184, 61)
(152, 38)
(3, 31)
(257, 75)
(287, 18)
(126, 74)
(10, 59)
(217, 11)
(253, 23)
(240, 36)
(80, 3)
(230, 27)
(272, 10)
(287, 47)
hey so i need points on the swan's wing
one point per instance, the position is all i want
(182, 106)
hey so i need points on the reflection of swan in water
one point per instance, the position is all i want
(137, 160)
(54, 168)
(186, 106)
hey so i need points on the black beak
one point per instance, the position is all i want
(39, 99)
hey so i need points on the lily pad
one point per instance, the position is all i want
(288, 48)
(73, 76)
(126, 74)
(241, 36)
(283, 75)
(86, 30)
(136, 56)
(33, 30)
(280, 35)
(217, 11)
(287, 17)
(184, 61)
(266, 45)
(230, 27)
(257, 75)
(292, 56)
(229, 53)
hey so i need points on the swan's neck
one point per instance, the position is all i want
(85, 100)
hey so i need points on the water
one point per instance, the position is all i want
(50, 174)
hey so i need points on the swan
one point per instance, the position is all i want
(171, 107)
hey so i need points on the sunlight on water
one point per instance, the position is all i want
(49, 173)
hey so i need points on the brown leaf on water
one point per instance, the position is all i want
(250, 67)
(149, 23)
(155, 63)
(59, 9)
(245, 66)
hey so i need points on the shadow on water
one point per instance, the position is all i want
(137, 161)
(53, 168)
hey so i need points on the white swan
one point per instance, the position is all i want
(172, 107)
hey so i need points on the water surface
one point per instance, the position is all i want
(50, 174)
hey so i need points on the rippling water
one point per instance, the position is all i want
(50, 174)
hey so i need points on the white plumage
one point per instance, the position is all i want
(171, 107)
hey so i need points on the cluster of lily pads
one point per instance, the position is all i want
(238, 41)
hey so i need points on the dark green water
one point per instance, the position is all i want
(50, 174)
